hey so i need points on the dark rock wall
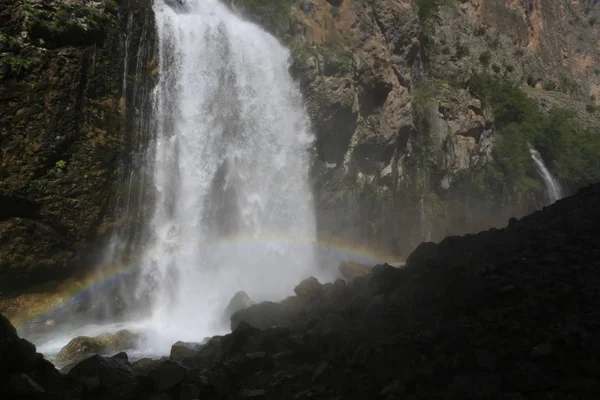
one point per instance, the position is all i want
(69, 78)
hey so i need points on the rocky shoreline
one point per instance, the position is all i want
(504, 314)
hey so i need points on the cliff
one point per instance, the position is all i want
(68, 78)
(423, 112)
(406, 131)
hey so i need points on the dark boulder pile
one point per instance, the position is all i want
(505, 314)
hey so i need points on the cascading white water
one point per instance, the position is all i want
(233, 208)
(553, 189)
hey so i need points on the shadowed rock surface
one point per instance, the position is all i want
(503, 314)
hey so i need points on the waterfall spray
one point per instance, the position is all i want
(229, 159)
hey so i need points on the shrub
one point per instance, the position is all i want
(496, 68)
(428, 16)
(461, 50)
(494, 44)
(485, 57)
(590, 108)
(480, 31)
(61, 164)
(509, 68)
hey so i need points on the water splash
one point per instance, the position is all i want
(229, 157)
(553, 189)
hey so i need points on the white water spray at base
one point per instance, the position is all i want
(553, 189)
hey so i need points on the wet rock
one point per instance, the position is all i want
(106, 374)
(351, 270)
(78, 349)
(206, 356)
(84, 346)
(16, 354)
(182, 350)
(143, 366)
(309, 288)
(262, 315)
(238, 302)
(168, 375)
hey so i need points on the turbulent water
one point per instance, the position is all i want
(232, 207)
(553, 189)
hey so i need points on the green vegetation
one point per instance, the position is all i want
(428, 17)
(18, 65)
(300, 51)
(494, 44)
(485, 57)
(480, 31)
(274, 15)
(69, 25)
(61, 164)
(571, 151)
(496, 68)
(337, 58)
(509, 67)
(461, 50)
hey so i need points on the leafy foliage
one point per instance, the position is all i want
(572, 152)
(74, 25)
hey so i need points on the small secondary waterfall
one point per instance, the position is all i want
(553, 189)
(232, 207)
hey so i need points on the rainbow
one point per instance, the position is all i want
(72, 290)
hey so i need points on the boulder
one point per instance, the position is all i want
(82, 347)
(78, 349)
(238, 302)
(168, 375)
(205, 356)
(245, 338)
(16, 354)
(112, 375)
(182, 350)
(309, 288)
(262, 315)
(351, 269)
(143, 366)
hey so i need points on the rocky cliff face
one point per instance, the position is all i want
(389, 86)
(69, 74)
(412, 142)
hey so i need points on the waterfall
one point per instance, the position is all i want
(231, 206)
(553, 189)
